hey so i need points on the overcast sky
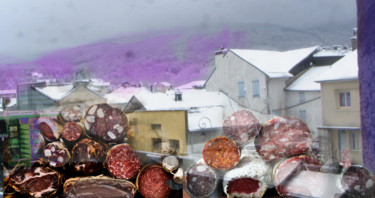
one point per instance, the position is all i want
(30, 28)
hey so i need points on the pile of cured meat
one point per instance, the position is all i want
(85, 155)
(284, 159)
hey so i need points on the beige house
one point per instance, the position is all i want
(341, 108)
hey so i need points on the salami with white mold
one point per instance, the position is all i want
(56, 154)
(357, 181)
(49, 128)
(105, 123)
(122, 162)
(88, 156)
(241, 126)
(72, 131)
(72, 113)
(200, 181)
(283, 137)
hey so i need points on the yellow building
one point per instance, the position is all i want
(158, 131)
(341, 108)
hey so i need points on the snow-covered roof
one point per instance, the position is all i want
(99, 82)
(275, 64)
(192, 85)
(9, 91)
(306, 81)
(13, 101)
(337, 50)
(123, 95)
(344, 69)
(167, 84)
(55, 92)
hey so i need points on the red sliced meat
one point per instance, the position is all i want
(221, 153)
(152, 182)
(123, 162)
(241, 126)
(72, 131)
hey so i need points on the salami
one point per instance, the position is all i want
(300, 176)
(99, 187)
(49, 128)
(35, 182)
(123, 162)
(56, 154)
(248, 179)
(357, 182)
(71, 113)
(241, 126)
(152, 182)
(221, 153)
(105, 123)
(201, 180)
(88, 156)
(283, 137)
(72, 131)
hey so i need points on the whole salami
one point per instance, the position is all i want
(56, 154)
(221, 153)
(99, 187)
(35, 182)
(300, 176)
(241, 126)
(72, 131)
(152, 182)
(357, 181)
(88, 156)
(105, 123)
(49, 128)
(283, 137)
(200, 181)
(123, 162)
(71, 113)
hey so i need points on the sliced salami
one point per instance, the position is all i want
(98, 186)
(49, 128)
(241, 126)
(300, 176)
(283, 137)
(105, 123)
(248, 179)
(123, 162)
(88, 156)
(72, 113)
(35, 182)
(56, 154)
(72, 131)
(152, 182)
(357, 181)
(201, 180)
(221, 153)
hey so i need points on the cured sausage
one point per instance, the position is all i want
(88, 156)
(72, 131)
(283, 137)
(105, 123)
(221, 153)
(357, 182)
(300, 176)
(56, 154)
(35, 182)
(152, 182)
(71, 113)
(49, 128)
(201, 180)
(123, 162)
(241, 126)
(98, 186)
(248, 179)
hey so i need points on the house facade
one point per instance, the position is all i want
(341, 108)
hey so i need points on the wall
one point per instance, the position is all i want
(231, 69)
(82, 95)
(277, 94)
(355, 155)
(173, 126)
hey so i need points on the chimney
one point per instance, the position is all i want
(81, 83)
(354, 39)
(178, 96)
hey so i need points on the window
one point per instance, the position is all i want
(302, 97)
(241, 89)
(155, 126)
(303, 115)
(256, 88)
(276, 112)
(354, 141)
(345, 100)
